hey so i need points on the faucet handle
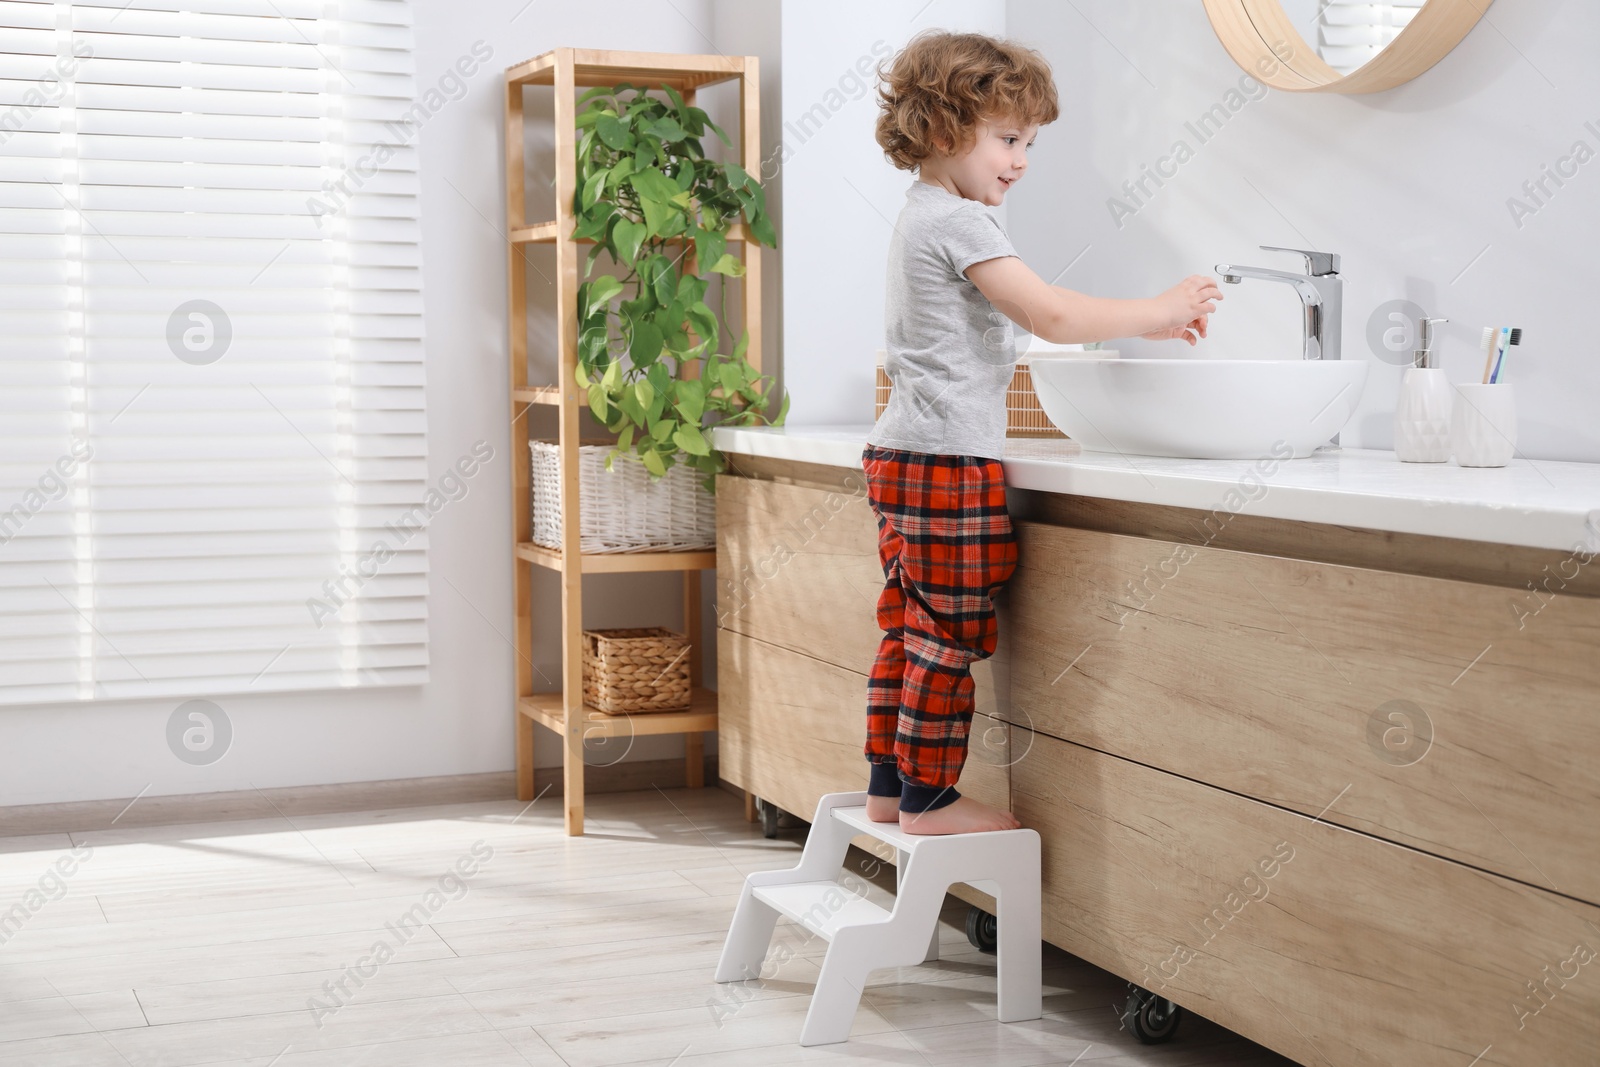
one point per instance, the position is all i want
(1317, 263)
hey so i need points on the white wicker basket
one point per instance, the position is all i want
(621, 509)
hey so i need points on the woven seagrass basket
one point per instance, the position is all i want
(636, 670)
(1024, 416)
(622, 509)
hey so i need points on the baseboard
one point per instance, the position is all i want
(630, 776)
(289, 801)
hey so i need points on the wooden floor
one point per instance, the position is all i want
(285, 941)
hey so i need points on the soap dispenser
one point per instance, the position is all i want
(1422, 412)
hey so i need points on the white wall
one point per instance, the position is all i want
(754, 28)
(840, 195)
(460, 722)
(1410, 186)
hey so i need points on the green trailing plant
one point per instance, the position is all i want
(646, 194)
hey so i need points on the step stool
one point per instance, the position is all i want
(862, 936)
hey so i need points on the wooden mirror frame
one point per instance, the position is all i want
(1262, 40)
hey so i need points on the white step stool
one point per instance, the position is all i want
(863, 936)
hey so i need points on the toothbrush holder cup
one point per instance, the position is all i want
(1483, 425)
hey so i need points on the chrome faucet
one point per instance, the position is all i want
(1321, 294)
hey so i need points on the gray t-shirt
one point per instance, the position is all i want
(949, 354)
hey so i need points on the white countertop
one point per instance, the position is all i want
(1533, 503)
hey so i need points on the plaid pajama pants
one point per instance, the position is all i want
(946, 544)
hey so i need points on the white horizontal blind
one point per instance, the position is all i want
(211, 378)
(1351, 32)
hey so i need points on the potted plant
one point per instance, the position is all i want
(646, 193)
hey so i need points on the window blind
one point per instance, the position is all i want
(1352, 32)
(211, 381)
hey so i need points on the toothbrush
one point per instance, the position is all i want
(1513, 340)
(1502, 337)
(1486, 346)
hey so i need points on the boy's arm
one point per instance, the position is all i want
(1062, 316)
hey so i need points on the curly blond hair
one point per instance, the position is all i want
(942, 85)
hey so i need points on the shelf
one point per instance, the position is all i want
(591, 67)
(551, 394)
(537, 233)
(546, 233)
(565, 70)
(547, 394)
(618, 562)
(546, 709)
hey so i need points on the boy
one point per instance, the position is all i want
(960, 110)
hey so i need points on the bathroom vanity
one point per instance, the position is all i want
(1313, 744)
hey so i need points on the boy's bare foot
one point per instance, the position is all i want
(883, 809)
(962, 816)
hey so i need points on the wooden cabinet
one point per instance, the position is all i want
(1345, 808)
(797, 587)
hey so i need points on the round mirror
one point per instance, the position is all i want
(1340, 46)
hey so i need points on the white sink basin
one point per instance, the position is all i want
(1199, 408)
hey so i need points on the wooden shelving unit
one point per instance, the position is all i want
(566, 71)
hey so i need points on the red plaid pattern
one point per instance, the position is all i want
(946, 544)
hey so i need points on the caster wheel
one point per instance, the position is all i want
(769, 817)
(1150, 1018)
(982, 930)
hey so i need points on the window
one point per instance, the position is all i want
(211, 378)
(1351, 32)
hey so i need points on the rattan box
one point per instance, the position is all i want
(1024, 416)
(636, 670)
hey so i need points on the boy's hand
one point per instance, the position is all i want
(1188, 305)
(1178, 333)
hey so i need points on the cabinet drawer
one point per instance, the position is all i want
(1329, 946)
(1444, 717)
(791, 728)
(798, 567)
